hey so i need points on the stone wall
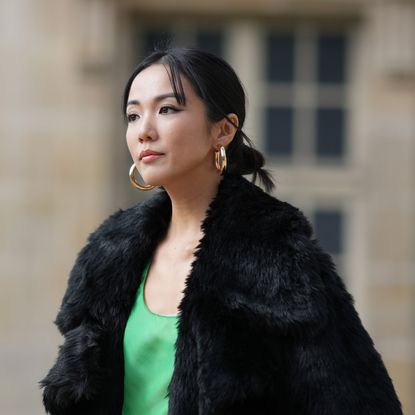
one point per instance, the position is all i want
(63, 166)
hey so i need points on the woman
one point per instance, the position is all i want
(211, 297)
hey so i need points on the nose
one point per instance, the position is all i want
(147, 130)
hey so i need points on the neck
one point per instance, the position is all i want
(190, 200)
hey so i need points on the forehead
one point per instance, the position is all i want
(154, 81)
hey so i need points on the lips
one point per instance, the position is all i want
(148, 152)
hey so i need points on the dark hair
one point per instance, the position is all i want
(217, 84)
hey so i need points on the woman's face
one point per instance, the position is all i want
(181, 133)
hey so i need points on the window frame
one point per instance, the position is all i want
(305, 95)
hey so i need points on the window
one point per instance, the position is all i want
(329, 229)
(304, 70)
(279, 123)
(330, 132)
(210, 40)
(204, 37)
(280, 53)
(305, 109)
(155, 38)
(331, 52)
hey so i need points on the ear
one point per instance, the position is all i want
(225, 131)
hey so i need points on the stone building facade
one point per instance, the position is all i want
(331, 87)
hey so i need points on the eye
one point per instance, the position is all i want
(168, 109)
(132, 117)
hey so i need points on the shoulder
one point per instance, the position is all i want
(103, 262)
(250, 208)
(283, 285)
(122, 228)
(287, 278)
(123, 222)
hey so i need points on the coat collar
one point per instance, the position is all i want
(252, 244)
(236, 199)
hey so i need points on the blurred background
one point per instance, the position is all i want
(331, 87)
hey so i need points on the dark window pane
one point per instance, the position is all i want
(280, 57)
(330, 132)
(329, 230)
(279, 131)
(211, 41)
(156, 39)
(331, 58)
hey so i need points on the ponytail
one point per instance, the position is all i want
(246, 159)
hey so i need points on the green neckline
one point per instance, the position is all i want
(147, 267)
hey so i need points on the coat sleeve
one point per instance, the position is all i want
(73, 381)
(336, 369)
(313, 344)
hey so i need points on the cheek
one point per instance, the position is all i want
(195, 130)
(129, 136)
(188, 140)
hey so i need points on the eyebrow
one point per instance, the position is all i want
(156, 99)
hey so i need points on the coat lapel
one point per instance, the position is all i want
(230, 295)
(240, 221)
(241, 257)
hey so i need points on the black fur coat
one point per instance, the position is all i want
(266, 325)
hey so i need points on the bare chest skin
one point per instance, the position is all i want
(170, 266)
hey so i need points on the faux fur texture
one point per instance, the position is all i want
(266, 325)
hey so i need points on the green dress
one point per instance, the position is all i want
(149, 350)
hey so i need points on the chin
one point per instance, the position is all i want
(154, 179)
(164, 177)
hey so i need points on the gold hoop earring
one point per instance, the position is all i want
(220, 159)
(133, 180)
